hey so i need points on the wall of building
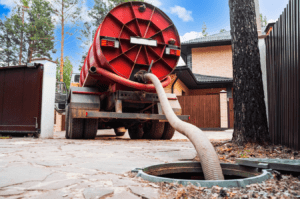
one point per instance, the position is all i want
(179, 87)
(263, 63)
(213, 61)
(206, 91)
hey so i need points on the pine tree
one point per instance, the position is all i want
(39, 30)
(24, 7)
(67, 73)
(19, 35)
(8, 53)
(250, 120)
(204, 33)
(67, 11)
(263, 20)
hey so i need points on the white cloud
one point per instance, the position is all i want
(9, 4)
(81, 6)
(272, 21)
(156, 3)
(181, 62)
(190, 35)
(182, 13)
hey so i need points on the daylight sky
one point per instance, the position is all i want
(187, 15)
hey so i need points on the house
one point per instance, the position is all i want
(208, 67)
(205, 71)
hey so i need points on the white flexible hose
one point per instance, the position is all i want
(208, 157)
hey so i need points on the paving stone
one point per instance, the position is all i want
(94, 193)
(19, 173)
(145, 192)
(53, 185)
(72, 169)
(124, 182)
(54, 195)
(55, 177)
(116, 181)
(124, 195)
(10, 192)
(50, 164)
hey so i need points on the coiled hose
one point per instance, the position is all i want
(208, 157)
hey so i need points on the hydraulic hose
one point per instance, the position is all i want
(208, 157)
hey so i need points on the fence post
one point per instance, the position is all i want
(223, 109)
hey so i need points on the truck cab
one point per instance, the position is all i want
(75, 80)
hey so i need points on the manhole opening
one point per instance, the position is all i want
(193, 171)
(196, 176)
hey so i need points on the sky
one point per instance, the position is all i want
(188, 17)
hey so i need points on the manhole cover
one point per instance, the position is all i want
(186, 173)
(276, 164)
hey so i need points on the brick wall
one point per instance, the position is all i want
(213, 61)
(206, 91)
(59, 122)
(178, 87)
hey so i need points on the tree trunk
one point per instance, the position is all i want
(30, 51)
(21, 45)
(62, 44)
(250, 123)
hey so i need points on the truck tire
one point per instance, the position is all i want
(153, 130)
(136, 132)
(90, 128)
(67, 122)
(168, 132)
(119, 131)
(75, 127)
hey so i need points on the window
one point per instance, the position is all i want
(76, 78)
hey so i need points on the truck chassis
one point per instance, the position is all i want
(88, 110)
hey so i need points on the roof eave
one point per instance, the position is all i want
(207, 44)
(197, 84)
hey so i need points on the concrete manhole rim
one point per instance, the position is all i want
(265, 175)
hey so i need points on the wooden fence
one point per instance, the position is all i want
(204, 110)
(282, 52)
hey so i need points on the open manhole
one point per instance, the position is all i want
(186, 173)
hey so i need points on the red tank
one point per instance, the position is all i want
(131, 36)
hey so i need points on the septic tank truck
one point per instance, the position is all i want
(134, 38)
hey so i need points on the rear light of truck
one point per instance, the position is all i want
(110, 43)
(173, 51)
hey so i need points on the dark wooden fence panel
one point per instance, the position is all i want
(282, 51)
(20, 99)
(204, 110)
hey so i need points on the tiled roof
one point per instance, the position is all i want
(216, 37)
(223, 36)
(207, 79)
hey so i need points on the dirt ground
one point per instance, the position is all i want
(100, 168)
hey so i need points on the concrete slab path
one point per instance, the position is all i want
(61, 168)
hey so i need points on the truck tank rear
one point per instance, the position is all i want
(131, 36)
